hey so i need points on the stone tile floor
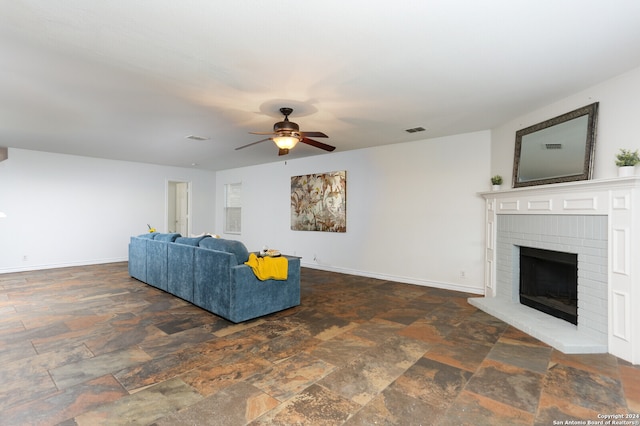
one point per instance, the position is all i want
(92, 346)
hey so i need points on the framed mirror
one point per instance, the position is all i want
(560, 149)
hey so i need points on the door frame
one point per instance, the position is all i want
(170, 198)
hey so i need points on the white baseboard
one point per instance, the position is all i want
(406, 280)
(61, 265)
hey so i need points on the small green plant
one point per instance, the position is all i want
(627, 158)
(496, 180)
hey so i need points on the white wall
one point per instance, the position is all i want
(618, 114)
(65, 210)
(413, 213)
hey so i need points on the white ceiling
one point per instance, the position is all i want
(130, 79)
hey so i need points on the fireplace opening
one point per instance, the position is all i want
(549, 282)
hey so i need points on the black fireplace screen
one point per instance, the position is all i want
(549, 282)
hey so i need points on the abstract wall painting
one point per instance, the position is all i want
(319, 202)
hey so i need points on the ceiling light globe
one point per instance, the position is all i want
(285, 142)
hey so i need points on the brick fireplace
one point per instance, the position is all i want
(591, 219)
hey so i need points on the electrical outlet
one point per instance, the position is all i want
(25, 258)
(463, 274)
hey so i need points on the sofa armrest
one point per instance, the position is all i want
(252, 298)
(138, 258)
(244, 273)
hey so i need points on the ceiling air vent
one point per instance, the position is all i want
(553, 146)
(415, 129)
(197, 138)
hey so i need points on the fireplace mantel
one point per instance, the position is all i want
(619, 200)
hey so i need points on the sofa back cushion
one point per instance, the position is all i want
(167, 237)
(190, 241)
(236, 248)
(148, 235)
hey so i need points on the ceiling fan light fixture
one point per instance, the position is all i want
(286, 141)
(286, 134)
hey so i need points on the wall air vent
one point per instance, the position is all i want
(415, 129)
(552, 146)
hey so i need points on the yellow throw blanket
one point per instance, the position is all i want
(267, 268)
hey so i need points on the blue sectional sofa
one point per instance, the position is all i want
(210, 273)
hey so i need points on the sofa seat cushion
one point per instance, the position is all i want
(234, 247)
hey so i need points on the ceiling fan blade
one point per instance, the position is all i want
(314, 134)
(261, 133)
(318, 144)
(283, 151)
(252, 143)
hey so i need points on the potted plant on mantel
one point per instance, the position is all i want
(496, 182)
(626, 161)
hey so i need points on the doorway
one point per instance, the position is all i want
(178, 207)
